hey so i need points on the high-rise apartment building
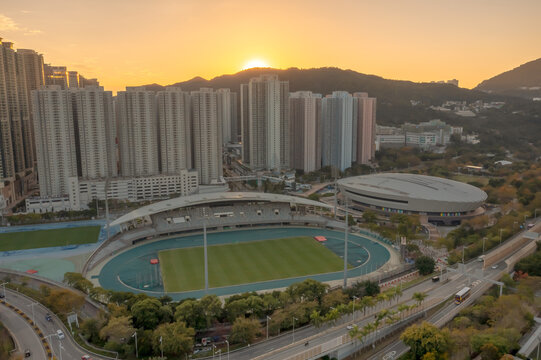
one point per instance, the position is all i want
(337, 129)
(137, 124)
(364, 132)
(268, 122)
(16, 149)
(175, 130)
(245, 123)
(305, 132)
(56, 75)
(73, 79)
(55, 139)
(95, 132)
(224, 113)
(235, 124)
(207, 136)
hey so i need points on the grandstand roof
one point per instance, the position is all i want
(198, 199)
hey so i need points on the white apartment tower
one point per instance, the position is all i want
(207, 136)
(268, 122)
(95, 132)
(55, 139)
(337, 129)
(223, 108)
(304, 134)
(137, 124)
(175, 130)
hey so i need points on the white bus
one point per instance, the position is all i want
(462, 295)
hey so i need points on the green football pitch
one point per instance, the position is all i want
(47, 238)
(233, 264)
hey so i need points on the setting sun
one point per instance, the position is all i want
(255, 63)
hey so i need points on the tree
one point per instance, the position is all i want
(308, 290)
(63, 301)
(78, 281)
(117, 328)
(190, 312)
(369, 216)
(426, 338)
(419, 297)
(244, 330)
(212, 308)
(146, 313)
(425, 265)
(176, 338)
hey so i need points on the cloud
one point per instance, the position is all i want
(8, 24)
(26, 11)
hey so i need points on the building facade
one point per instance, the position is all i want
(174, 114)
(337, 130)
(55, 139)
(207, 136)
(305, 132)
(137, 123)
(268, 122)
(364, 132)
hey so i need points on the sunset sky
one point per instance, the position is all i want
(134, 42)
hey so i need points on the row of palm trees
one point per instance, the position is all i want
(386, 317)
(363, 304)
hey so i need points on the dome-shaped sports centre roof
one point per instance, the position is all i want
(413, 193)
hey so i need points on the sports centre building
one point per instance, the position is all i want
(128, 260)
(443, 201)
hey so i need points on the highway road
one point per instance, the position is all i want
(70, 350)
(25, 337)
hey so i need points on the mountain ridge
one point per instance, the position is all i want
(520, 81)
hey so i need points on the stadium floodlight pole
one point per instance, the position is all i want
(335, 199)
(346, 244)
(206, 256)
(268, 318)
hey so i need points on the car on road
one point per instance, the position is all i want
(86, 357)
(60, 334)
(48, 317)
(435, 278)
(27, 353)
(494, 266)
(349, 327)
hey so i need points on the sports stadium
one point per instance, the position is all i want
(255, 242)
(443, 201)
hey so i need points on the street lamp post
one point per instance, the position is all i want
(268, 318)
(501, 230)
(227, 342)
(4, 288)
(61, 348)
(136, 352)
(161, 346)
(484, 239)
(354, 298)
(32, 306)
(294, 318)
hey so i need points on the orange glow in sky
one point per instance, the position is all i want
(134, 42)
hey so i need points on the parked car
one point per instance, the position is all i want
(27, 353)
(60, 334)
(48, 317)
(435, 278)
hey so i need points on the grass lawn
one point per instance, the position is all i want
(233, 264)
(47, 238)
